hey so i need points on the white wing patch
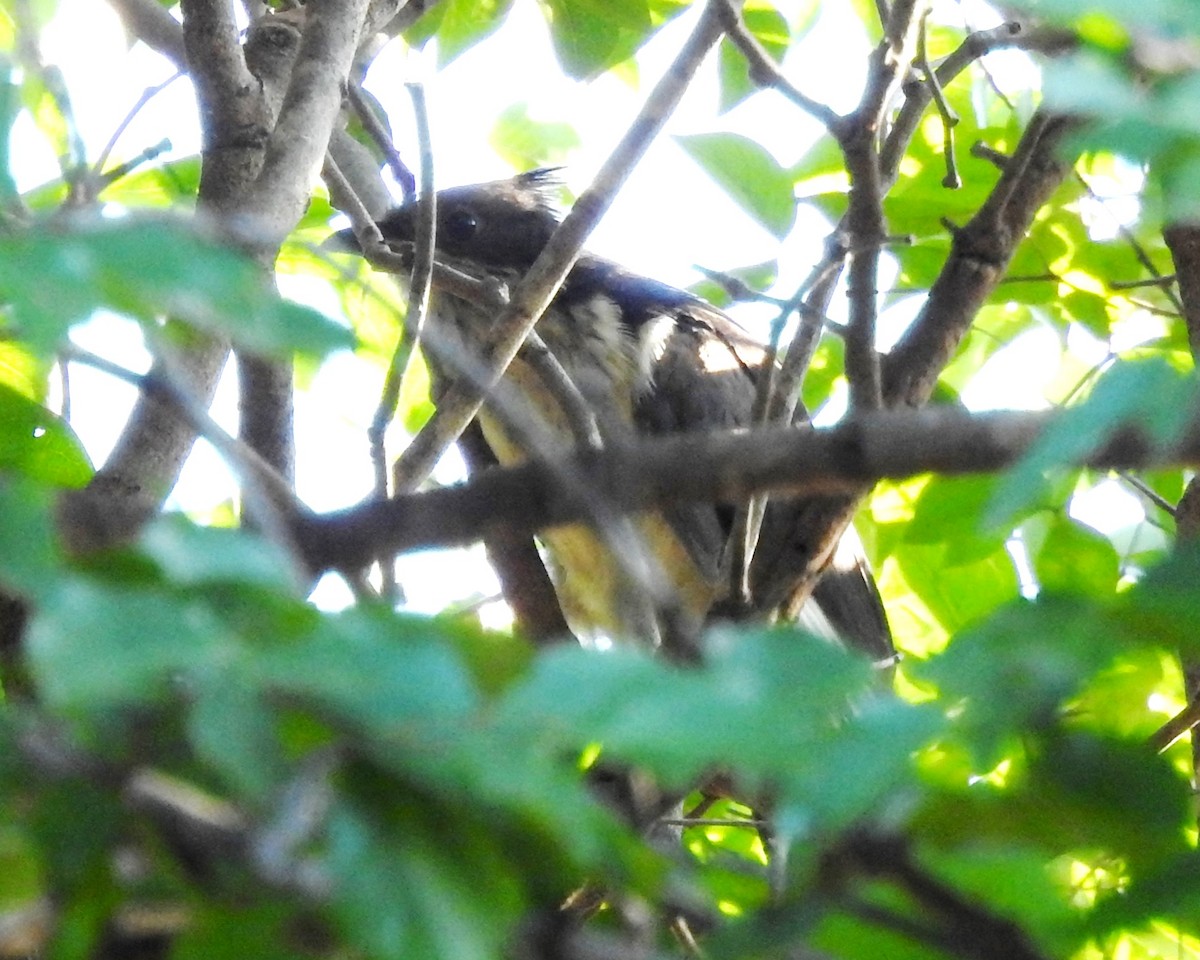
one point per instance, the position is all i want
(652, 343)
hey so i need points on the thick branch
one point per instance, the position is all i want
(724, 467)
(978, 260)
(300, 137)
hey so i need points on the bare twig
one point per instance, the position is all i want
(976, 45)
(949, 118)
(114, 174)
(764, 70)
(1160, 280)
(147, 95)
(1180, 724)
(419, 285)
(1148, 492)
(366, 115)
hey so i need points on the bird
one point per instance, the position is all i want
(648, 359)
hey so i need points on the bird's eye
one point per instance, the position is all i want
(460, 225)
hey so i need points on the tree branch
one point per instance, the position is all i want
(722, 468)
(300, 137)
(979, 256)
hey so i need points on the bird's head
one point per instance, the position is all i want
(500, 224)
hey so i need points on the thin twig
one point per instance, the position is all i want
(1148, 492)
(121, 170)
(713, 822)
(1156, 281)
(1180, 724)
(362, 108)
(951, 180)
(774, 401)
(974, 47)
(147, 95)
(1161, 280)
(419, 286)
(765, 71)
(578, 412)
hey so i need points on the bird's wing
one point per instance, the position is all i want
(702, 372)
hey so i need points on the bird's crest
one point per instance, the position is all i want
(543, 186)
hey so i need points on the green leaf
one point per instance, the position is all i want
(93, 647)
(948, 510)
(30, 559)
(458, 25)
(386, 674)
(1149, 392)
(826, 368)
(38, 444)
(22, 371)
(959, 588)
(1130, 799)
(10, 108)
(1166, 16)
(163, 186)
(749, 174)
(525, 143)
(1170, 890)
(1165, 604)
(762, 706)
(824, 159)
(232, 729)
(21, 874)
(148, 268)
(223, 931)
(399, 894)
(1074, 558)
(591, 36)
(1013, 672)
(191, 556)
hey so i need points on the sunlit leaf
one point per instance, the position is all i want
(1149, 392)
(458, 25)
(39, 444)
(591, 36)
(749, 174)
(525, 143)
(1074, 557)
